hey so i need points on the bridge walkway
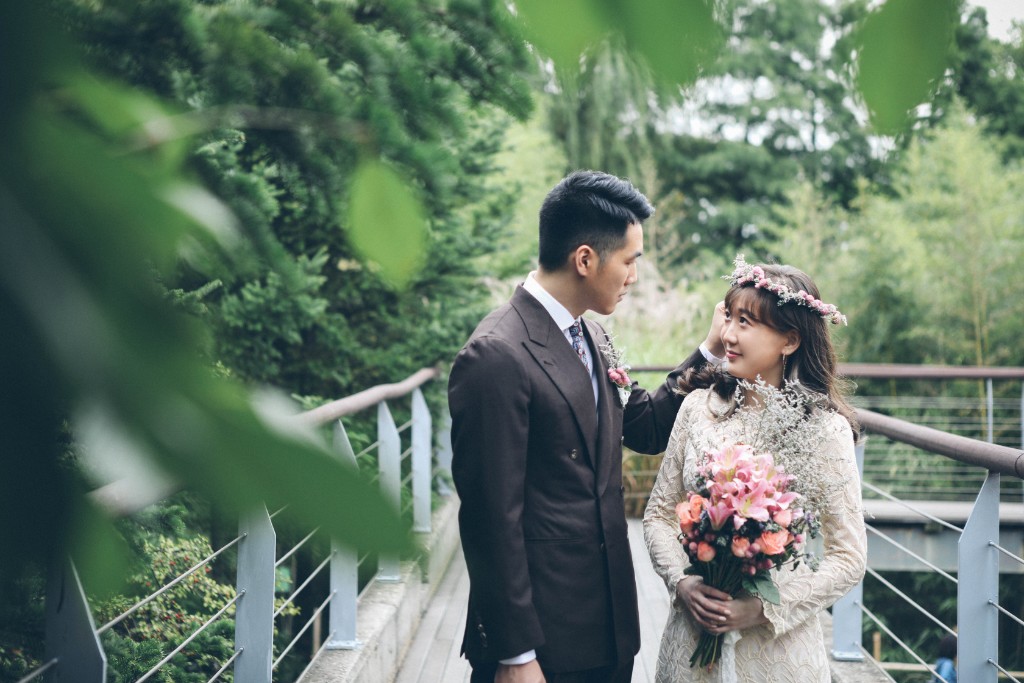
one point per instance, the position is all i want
(433, 656)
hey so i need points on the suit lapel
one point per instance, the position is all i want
(607, 404)
(557, 359)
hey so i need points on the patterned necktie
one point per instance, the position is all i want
(580, 346)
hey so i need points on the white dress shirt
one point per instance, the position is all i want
(563, 319)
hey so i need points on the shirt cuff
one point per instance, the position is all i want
(521, 659)
(710, 357)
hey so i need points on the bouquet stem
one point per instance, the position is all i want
(724, 576)
(708, 650)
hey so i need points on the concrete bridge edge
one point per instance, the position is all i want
(390, 613)
(866, 671)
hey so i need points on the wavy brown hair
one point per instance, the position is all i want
(814, 363)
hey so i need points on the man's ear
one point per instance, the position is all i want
(584, 260)
(792, 342)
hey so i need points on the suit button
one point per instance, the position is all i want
(622, 439)
(573, 453)
(602, 547)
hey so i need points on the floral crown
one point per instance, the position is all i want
(744, 273)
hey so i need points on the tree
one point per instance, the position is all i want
(203, 152)
(322, 87)
(775, 107)
(985, 77)
(600, 114)
(966, 207)
(925, 271)
(801, 90)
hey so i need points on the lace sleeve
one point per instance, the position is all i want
(661, 526)
(806, 593)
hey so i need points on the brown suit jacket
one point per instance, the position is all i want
(538, 468)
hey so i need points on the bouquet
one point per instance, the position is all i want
(741, 522)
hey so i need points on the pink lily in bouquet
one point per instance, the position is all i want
(741, 522)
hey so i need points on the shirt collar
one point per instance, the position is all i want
(559, 313)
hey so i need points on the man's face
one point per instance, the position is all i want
(615, 272)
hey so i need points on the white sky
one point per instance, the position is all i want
(1000, 13)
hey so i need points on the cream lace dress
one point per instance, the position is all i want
(790, 648)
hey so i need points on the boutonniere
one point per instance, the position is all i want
(618, 370)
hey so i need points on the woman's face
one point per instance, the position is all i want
(752, 347)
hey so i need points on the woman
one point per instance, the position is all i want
(776, 337)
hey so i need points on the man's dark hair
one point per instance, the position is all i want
(588, 207)
(947, 646)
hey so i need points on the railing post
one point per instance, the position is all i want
(990, 405)
(71, 637)
(254, 617)
(422, 457)
(977, 588)
(444, 451)
(389, 459)
(344, 570)
(846, 612)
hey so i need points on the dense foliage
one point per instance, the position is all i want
(290, 96)
(215, 149)
(772, 151)
(317, 187)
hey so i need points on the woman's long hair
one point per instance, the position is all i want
(814, 363)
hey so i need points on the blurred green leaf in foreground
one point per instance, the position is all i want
(900, 53)
(84, 220)
(904, 47)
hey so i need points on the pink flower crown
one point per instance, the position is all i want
(744, 273)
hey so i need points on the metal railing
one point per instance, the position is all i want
(901, 469)
(976, 466)
(977, 581)
(74, 644)
(74, 648)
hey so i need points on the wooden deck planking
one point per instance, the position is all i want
(654, 605)
(433, 656)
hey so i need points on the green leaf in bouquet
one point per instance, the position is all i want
(761, 584)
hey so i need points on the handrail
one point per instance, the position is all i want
(912, 371)
(121, 498)
(364, 399)
(900, 371)
(1002, 459)
(257, 559)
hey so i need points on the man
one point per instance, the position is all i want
(537, 432)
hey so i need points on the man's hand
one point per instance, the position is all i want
(714, 339)
(519, 673)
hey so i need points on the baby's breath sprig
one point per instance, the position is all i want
(792, 424)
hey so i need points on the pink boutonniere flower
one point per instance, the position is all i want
(620, 376)
(618, 371)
